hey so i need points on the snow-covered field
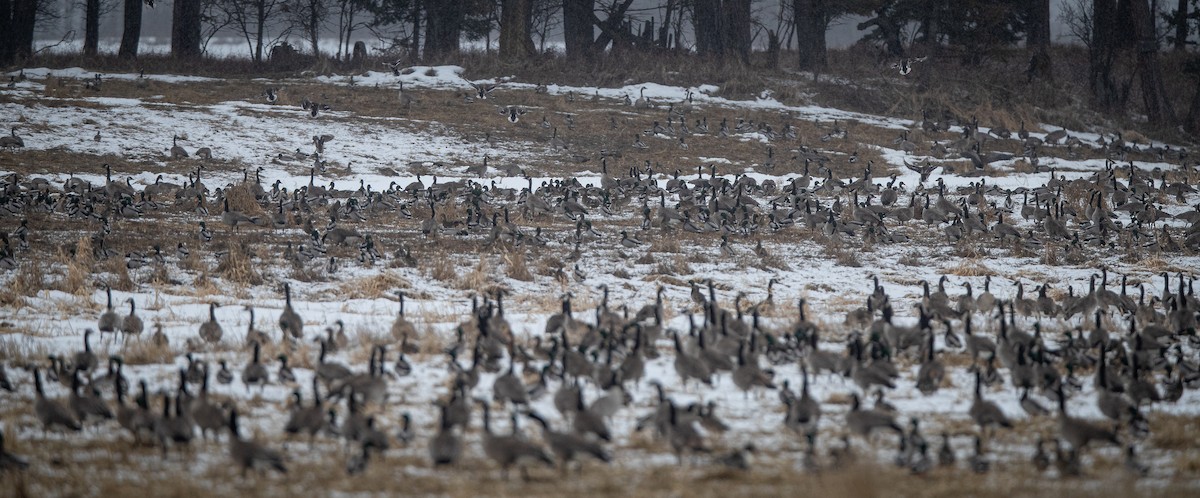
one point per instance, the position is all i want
(537, 251)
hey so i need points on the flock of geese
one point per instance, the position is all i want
(605, 358)
(591, 366)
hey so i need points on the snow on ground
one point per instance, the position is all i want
(258, 134)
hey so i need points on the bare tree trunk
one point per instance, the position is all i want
(314, 26)
(1102, 53)
(737, 28)
(132, 32)
(185, 29)
(415, 18)
(349, 28)
(810, 33)
(24, 15)
(91, 28)
(578, 30)
(1181, 26)
(443, 25)
(516, 22)
(665, 30)
(1192, 125)
(1154, 95)
(707, 27)
(261, 21)
(1039, 40)
(6, 31)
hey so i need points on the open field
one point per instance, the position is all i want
(599, 192)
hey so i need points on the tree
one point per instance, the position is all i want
(255, 20)
(185, 29)
(1102, 52)
(350, 19)
(1038, 39)
(443, 26)
(132, 32)
(706, 25)
(810, 20)
(516, 26)
(6, 32)
(24, 19)
(578, 29)
(737, 19)
(1179, 20)
(91, 31)
(1154, 95)
(308, 16)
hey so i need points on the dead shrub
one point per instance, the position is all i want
(241, 199)
(515, 267)
(237, 266)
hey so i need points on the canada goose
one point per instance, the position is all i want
(131, 324)
(986, 413)
(208, 416)
(271, 95)
(446, 447)
(1031, 406)
(586, 421)
(210, 330)
(253, 335)
(285, 374)
(289, 321)
(1078, 432)
(946, 456)
(9, 461)
(85, 360)
(748, 374)
(88, 403)
(402, 329)
(507, 451)
(307, 419)
(863, 422)
(483, 90)
(250, 454)
(109, 321)
(803, 413)
(508, 387)
(12, 141)
(255, 372)
(224, 375)
(135, 419)
(52, 413)
(177, 430)
(641, 102)
(236, 219)
(330, 372)
(932, 371)
(566, 446)
(177, 152)
(688, 366)
(1113, 405)
(1041, 459)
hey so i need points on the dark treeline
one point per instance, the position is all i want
(1123, 37)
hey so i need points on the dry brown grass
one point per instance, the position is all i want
(384, 283)
(969, 267)
(237, 266)
(479, 279)
(241, 199)
(515, 266)
(29, 280)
